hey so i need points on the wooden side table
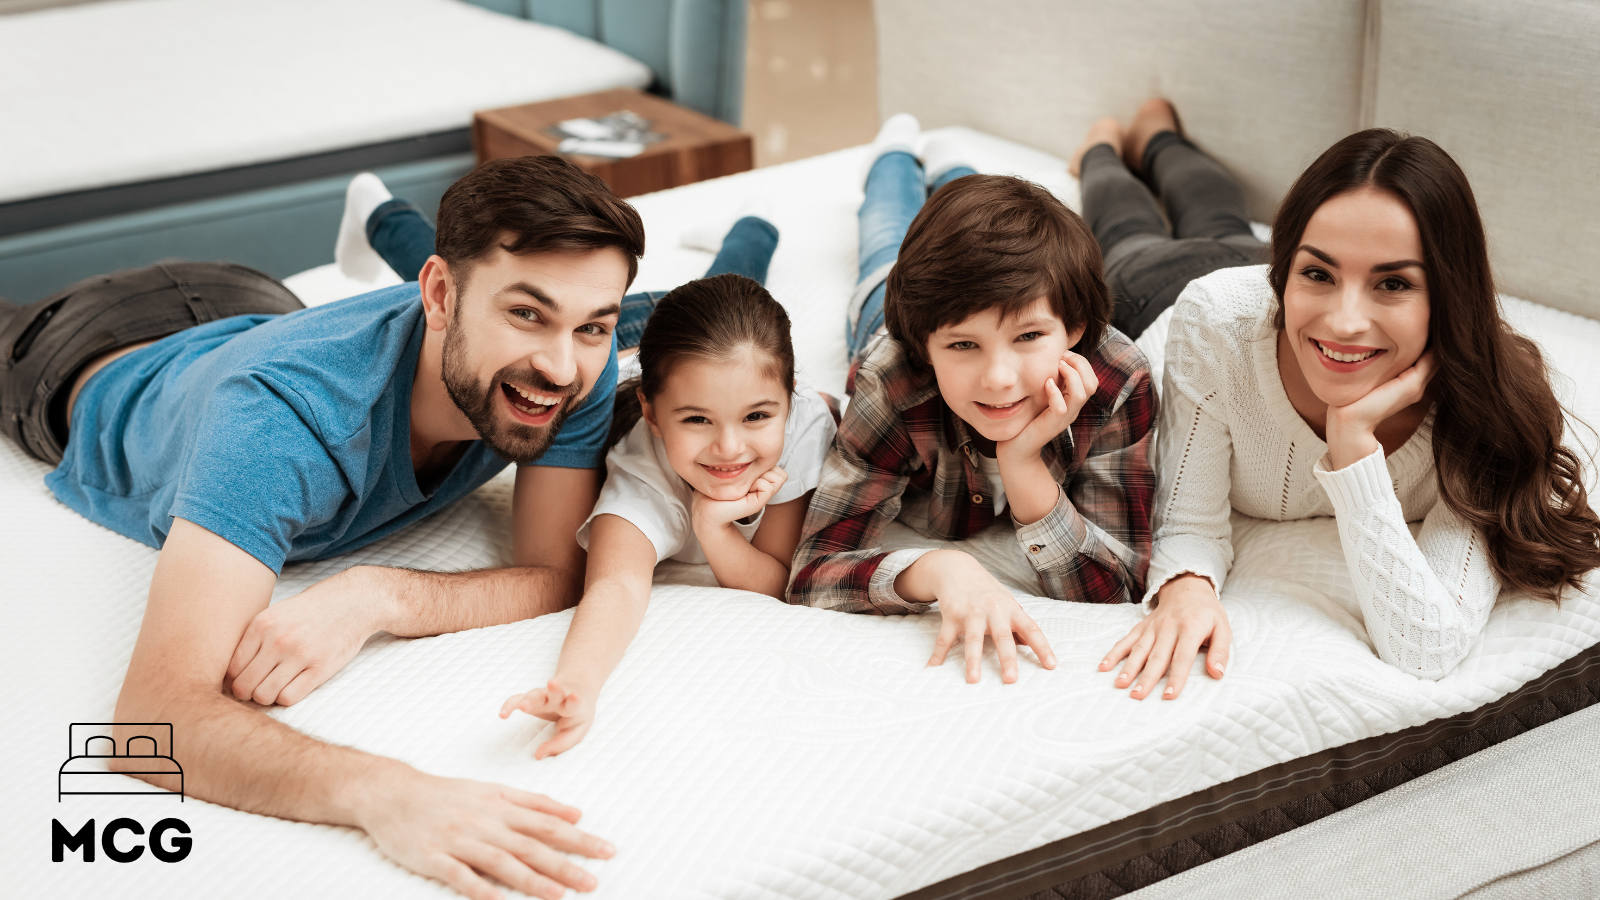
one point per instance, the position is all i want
(696, 146)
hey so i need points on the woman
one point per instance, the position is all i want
(1365, 373)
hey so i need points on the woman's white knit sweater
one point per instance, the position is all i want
(1229, 438)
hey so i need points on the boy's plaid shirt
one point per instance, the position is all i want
(899, 445)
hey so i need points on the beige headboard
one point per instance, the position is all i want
(1511, 90)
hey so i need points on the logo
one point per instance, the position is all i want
(99, 753)
(101, 757)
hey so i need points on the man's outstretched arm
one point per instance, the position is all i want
(204, 593)
(290, 648)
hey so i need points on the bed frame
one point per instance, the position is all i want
(280, 216)
(1156, 843)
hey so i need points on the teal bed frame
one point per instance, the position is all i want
(695, 48)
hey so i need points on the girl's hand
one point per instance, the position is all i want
(1351, 428)
(572, 712)
(1187, 616)
(707, 513)
(1065, 395)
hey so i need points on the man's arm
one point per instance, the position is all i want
(293, 646)
(548, 505)
(204, 592)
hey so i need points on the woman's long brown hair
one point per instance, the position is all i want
(1497, 424)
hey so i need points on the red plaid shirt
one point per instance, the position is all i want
(900, 447)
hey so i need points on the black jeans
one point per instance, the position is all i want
(45, 345)
(1148, 264)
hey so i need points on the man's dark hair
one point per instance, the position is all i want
(987, 241)
(531, 204)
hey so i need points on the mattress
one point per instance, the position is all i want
(746, 748)
(163, 88)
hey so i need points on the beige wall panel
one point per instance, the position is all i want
(1265, 85)
(1512, 92)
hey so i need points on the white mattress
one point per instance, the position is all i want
(116, 92)
(745, 748)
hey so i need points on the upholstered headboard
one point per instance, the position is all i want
(1512, 91)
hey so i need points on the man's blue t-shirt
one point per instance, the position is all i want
(289, 436)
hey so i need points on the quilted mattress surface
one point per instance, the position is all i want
(746, 748)
(174, 87)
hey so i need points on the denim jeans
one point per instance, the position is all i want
(895, 192)
(401, 235)
(1149, 264)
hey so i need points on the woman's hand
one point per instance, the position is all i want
(1187, 616)
(572, 711)
(705, 512)
(1351, 429)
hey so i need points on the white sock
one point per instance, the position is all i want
(708, 233)
(940, 154)
(351, 250)
(899, 133)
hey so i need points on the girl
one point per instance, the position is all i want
(715, 465)
(1365, 373)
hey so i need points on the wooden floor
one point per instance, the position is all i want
(811, 80)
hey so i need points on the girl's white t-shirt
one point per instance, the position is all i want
(642, 488)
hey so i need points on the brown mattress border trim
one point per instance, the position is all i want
(1080, 865)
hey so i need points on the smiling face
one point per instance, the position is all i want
(992, 369)
(1355, 306)
(528, 337)
(720, 420)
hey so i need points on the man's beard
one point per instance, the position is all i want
(511, 441)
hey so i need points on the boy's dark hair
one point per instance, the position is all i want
(986, 241)
(708, 318)
(531, 204)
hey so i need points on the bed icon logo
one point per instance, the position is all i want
(99, 752)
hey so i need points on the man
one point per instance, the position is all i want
(244, 442)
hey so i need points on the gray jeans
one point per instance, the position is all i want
(1149, 263)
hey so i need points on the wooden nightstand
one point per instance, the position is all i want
(695, 147)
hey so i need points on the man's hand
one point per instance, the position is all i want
(972, 604)
(459, 831)
(1351, 429)
(571, 710)
(1065, 395)
(1187, 616)
(705, 513)
(293, 646)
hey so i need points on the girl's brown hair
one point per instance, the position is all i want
(1497, 424)
(708, 318)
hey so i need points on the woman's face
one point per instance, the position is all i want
(1355, 306)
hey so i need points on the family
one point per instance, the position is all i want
(1355, 366)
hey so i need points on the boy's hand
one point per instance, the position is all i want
(972, 604)
(572, 712)
(1065, 395)
(705, 512)
(1187, 616)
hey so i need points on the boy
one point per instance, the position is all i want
(998, 387)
